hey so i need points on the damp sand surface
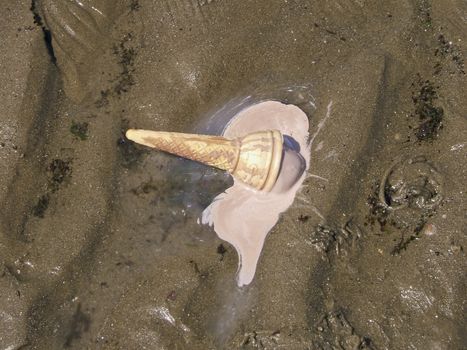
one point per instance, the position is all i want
(99, 242)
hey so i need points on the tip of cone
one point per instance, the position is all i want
(137, 135)
(130, 133)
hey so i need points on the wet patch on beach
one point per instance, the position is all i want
(100, 243)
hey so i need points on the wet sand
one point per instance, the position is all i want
(99, 241)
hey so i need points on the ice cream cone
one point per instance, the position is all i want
(254, 159)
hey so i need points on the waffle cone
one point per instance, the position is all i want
(253, 159)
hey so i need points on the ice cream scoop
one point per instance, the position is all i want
(292, 167)
(254, 159)
(243, 217)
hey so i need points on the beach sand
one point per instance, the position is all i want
(100, 247)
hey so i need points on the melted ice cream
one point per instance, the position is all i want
(242, 216)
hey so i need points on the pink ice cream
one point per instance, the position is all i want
(242, 216)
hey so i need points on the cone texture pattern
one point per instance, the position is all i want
(253, 159)
(215, 151)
